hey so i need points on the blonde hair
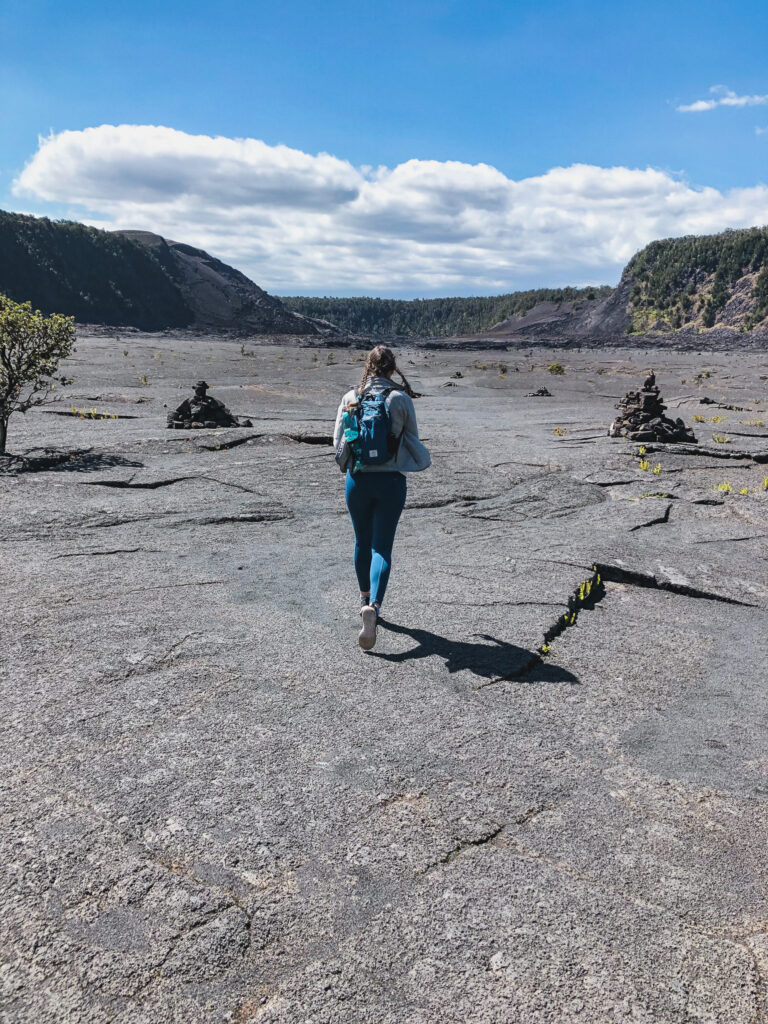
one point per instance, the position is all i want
(380, 362)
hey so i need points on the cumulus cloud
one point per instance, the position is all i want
(297, 222)
(722, 97)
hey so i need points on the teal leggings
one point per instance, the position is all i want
(375, 501)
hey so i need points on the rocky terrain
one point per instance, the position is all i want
(541, 798)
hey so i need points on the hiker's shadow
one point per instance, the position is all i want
(494, 659)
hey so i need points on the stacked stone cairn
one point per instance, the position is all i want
(641, 417)
(202, 411)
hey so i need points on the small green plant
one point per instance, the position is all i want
(641, 450)
(743, 490)
(645, 465)
(699, 419)
(721, 439)
(557, 368)
(143, 379)
(560, 431)
(754, 423)
(717, 419)
(655, 494)
(764, 484)
(657, 469)
(725, 487)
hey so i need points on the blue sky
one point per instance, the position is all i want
(522, 87)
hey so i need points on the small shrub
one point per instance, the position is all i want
(744, 490)
(143, 379)
(717, 419)
(560, 431)
(721, 439)
(557, 368)
(645, 465)
(657, 469)
(725, 487)
(699, 419)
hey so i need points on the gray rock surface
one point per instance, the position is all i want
(216, 808)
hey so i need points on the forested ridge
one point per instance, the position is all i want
(701, 281)
(432, 318)
(95, 276)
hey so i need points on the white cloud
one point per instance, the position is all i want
(761, 131)
(297, 223)
(722, 97)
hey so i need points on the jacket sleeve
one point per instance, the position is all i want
(337, 427)
(419, 454)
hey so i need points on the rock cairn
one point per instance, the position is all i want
(540, 393)
(203, 411)
(641, 417)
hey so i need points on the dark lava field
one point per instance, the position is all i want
(541, 798)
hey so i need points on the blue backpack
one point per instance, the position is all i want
(374, 428)
(367, 438)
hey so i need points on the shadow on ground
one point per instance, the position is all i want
(494, 659)
(82, 460)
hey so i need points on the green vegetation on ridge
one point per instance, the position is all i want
(432, 318)
(683, 282)
(95, 276)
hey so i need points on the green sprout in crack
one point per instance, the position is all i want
(721, 439)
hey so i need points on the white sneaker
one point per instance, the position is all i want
(367, 635)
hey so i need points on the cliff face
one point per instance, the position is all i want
(134, 279)
(95, 276)
(701, 282)
(219, 296)
(713, 288)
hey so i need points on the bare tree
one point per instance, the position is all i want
(31, 346)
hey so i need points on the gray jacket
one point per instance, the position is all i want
(411, 456)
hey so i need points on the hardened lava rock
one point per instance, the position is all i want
(642, 417)
(203, 411)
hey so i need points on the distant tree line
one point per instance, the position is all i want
(95, 276)
(431, 318)
(685, 281)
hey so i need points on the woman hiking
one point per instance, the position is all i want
(378, 421)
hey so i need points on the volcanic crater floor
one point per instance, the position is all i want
(541, 798)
